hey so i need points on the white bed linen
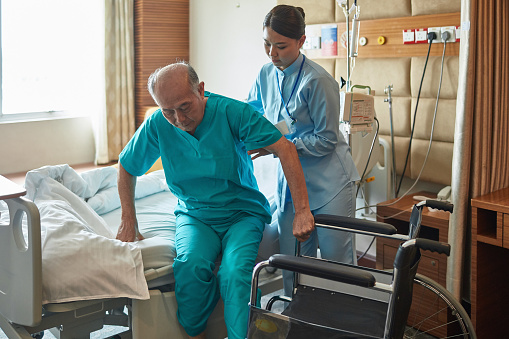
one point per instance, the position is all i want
(74, 236)
(156, 223)
(81, 260)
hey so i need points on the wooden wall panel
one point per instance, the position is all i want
(161, 36)
(392, 30)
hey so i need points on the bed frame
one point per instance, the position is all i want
(21, 262)
(21, 281)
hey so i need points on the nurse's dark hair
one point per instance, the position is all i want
(192, 76)
(287, 21)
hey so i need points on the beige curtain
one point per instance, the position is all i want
(118, 123)
(490, 161)
(458, 230)
(481, 143)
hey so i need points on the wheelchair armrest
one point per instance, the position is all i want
(323, 269)
(355, 224)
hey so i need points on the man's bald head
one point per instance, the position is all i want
(179, 73)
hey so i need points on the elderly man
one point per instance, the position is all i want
(203, 140)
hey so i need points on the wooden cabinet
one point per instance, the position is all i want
(435, 226)
(490, 255)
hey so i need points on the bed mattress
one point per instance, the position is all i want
(156, 223)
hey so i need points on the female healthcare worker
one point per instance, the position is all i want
(302, 100)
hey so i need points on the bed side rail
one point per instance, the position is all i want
(21, 264)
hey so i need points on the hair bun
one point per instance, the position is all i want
(301, 10)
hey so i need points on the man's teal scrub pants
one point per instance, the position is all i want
(198, 245)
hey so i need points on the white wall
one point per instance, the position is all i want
(226, 50)
(32, 144)
(28, 145)
(226, 45)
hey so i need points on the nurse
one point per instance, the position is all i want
(203, 139)
(302, 100)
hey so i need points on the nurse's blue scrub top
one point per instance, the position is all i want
(210, 173)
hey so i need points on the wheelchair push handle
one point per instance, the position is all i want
(440, 205)
(433, 246)
(404, 256)
(428, 245)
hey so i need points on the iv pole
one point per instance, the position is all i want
(347, 16)
(350, 53)
(344, 4)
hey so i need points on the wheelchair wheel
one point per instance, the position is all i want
(435, 313)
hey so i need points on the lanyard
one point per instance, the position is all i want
(293, 90)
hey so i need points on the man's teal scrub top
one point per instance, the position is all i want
(210, 173)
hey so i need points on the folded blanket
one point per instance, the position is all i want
(81, 260)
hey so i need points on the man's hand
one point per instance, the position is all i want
(256, 153)
(128, 231)
(303, 225)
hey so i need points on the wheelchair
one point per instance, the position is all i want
(336, 300)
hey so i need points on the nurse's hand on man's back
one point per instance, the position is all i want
(256, 153)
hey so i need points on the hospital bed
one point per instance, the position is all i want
(61, 268)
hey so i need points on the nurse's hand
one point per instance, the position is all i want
(128, 231)
(256, 153)
(303, 225)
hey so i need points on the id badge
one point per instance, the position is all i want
(282, 127)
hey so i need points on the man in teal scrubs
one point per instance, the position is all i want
(203, 140)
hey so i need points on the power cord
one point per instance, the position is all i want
(431, 36)
(445, 36)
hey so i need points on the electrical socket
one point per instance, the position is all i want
(421, 36)
(452, 33)
(438, 31)
(458, 33)
(409, 36)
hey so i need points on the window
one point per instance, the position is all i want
(52, 57)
